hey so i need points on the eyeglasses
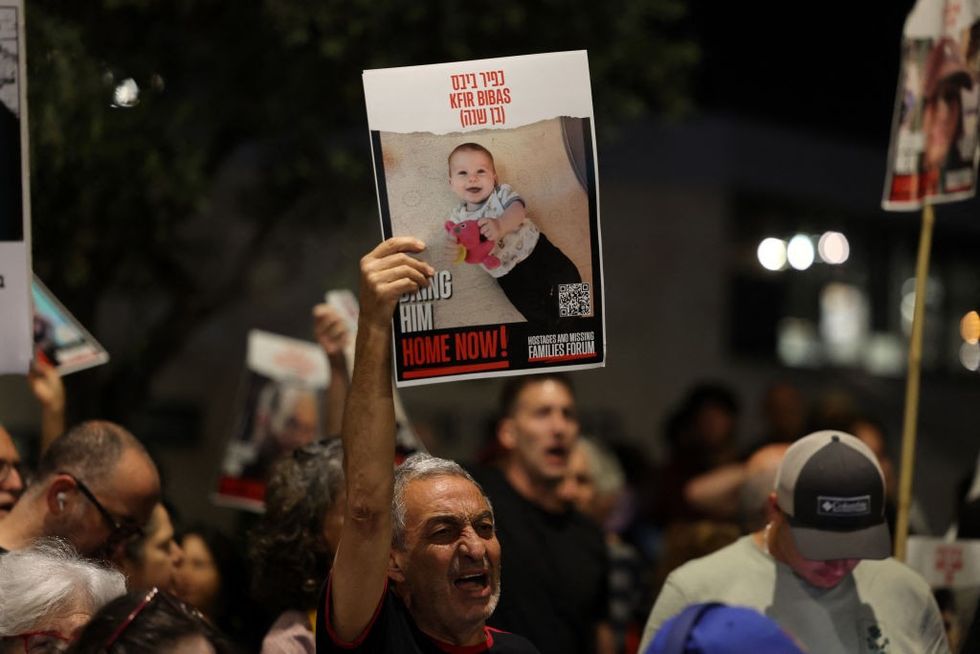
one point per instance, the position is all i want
(150, 596)
(172, 602)
(43, 642)
(121, 530)
(6, 467)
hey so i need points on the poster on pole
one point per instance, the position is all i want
(492, 163)
(278, 413)
(59, 339)
(933, 153)
(16, 348)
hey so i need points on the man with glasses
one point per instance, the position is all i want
(96, 487)
(11, 481)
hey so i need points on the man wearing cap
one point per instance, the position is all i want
(820, 568)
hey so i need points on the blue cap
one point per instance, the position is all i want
(714, 628)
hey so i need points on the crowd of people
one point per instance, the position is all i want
(553, 543)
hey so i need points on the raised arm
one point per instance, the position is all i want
(330, 329)
(361, 563)
(46, 385)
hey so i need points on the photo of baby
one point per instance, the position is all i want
(522, 260)
(511, 225)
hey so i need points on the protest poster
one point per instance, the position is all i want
(933, 153)
(279, 412)
(945, 564)
(15, 228)
(492, 163)
(932, 159)
(59, 339)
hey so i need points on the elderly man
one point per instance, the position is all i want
(11, 480)
(96, 487)
(417, 568)
(820, 567)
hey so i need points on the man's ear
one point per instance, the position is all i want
(58, 494)
(772, 507)
(506, 434)
(395, 571)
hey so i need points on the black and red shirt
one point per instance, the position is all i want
(392, 629)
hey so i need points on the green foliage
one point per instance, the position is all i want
(122, 196)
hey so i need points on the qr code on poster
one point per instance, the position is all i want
(574, 300)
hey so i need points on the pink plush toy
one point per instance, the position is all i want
(473, 246)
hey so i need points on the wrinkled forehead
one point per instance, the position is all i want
(443, 495)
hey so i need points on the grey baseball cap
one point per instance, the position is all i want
(830, 486)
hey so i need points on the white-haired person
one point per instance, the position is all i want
(48, 593)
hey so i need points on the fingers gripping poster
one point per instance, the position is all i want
(492, 163)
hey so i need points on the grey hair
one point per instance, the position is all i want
(607, 473)
(48, 578)
(421, 465)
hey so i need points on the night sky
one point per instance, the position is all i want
(827, 67)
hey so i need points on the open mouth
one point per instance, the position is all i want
(557, 452)
(474, 582)
(474, 189)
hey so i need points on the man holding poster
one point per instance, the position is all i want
(417, 568)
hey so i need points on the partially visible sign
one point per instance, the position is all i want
(933, 152)
(15, 228)
(945, 564)
(59, 339)
(280, 412)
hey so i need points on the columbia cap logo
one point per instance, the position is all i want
(844, 506)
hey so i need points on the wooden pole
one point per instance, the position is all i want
(912, 385)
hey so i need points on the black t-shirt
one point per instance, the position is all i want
(554, 571)
(393, 630)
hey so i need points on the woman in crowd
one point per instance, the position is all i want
(150, 622)
(213, 578)
(153, 559)
(48, 593)
(293, 546)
